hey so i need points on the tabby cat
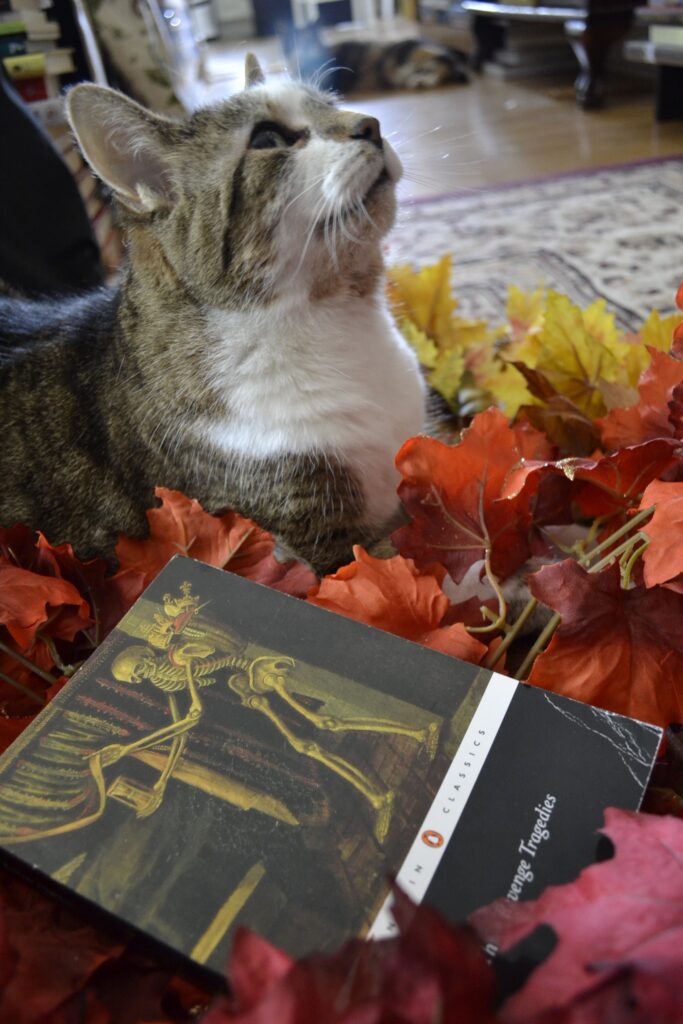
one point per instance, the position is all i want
(364, 66)
(247, 358)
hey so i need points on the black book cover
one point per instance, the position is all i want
(233, 756)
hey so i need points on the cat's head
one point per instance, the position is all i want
(272, 192)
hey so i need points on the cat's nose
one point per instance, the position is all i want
(368, 128)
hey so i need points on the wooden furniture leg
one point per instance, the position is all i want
(489, 36)
(669, 93)
(591, 38)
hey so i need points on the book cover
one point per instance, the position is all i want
(12, 45)
(233, 756)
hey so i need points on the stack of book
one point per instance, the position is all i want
(29, 49)
(35, 63)
(531, 49)
(664, 43)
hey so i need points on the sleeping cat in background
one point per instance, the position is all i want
(357, 66)
(410, 64)
(247, 359)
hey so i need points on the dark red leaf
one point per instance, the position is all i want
(431, 972)
(621, 650)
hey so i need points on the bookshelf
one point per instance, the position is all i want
(46, 45)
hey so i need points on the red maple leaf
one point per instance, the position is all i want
(613, 483)
(180, 526)
(619, 926)
(46, 954)
(453, 495)
(431, 972)
(649, 418)
(109, 597)
(617, 649)
(30, 602)
(391, 594)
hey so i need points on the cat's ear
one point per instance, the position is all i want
(253, 72)
(126, 145)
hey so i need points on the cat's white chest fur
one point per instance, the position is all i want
(333, 376)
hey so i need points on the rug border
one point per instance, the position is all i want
(470, 192)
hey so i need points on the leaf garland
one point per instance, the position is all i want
(564, 497)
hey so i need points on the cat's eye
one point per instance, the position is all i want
(270, 136)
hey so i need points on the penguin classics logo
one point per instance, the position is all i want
(432, 838)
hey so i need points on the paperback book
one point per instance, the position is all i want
(234, 756)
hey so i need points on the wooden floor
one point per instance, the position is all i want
(490, 132)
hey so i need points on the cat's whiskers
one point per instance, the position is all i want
(315, 220)
(316, 181)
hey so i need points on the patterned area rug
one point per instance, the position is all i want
(612, 233)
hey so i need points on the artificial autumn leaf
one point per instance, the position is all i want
(109, 597)
(424, 296)
(525, 312)
(619, 926)
(28, 601)
(430, 972)
(677, 344)
(621, 650)
(46, 956)
(11, 727)
(565, 425)
(657, 331)
(453, 495)
(391, 594)
(574, 351)
(613, 483)
(663, 557)
(606, 486)
(649, 418)
(424, 306)
(180, 526)
(676, 411)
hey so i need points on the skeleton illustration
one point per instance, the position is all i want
(188, 666)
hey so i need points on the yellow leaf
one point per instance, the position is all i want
(446, 376)
(602, 327)
(578, 350)
(424, 296)
(657, 331)
(525, 311)
(425, 349)
(508, 387)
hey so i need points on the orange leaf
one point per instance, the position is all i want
(391, 594)
(621, 650)
(182, 527)
(28, 600)
(650, 417)
(453, 495)
(663, 558)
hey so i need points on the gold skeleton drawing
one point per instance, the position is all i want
(188, 665)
